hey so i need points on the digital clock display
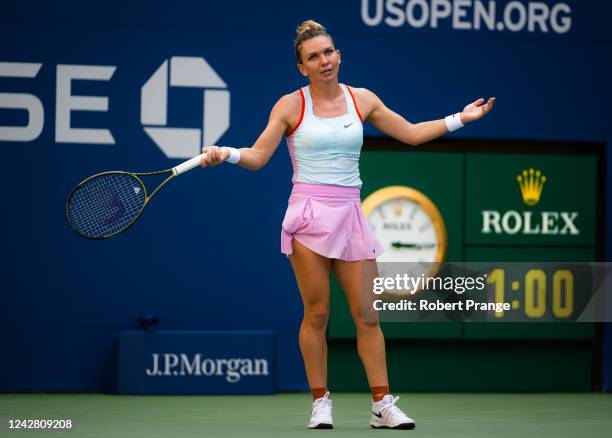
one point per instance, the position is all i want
(475, 292)
(539, 292)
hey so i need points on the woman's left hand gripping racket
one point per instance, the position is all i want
(108, 203)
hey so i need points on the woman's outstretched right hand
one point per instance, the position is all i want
(214, 155)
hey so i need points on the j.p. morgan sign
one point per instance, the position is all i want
(232, 370)
(196, 362)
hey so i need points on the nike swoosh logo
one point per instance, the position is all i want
(346, 126)
(376, 415)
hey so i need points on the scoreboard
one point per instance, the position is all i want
(500, 201)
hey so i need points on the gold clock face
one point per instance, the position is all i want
(409, 227)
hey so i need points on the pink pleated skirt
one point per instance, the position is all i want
(328, 220)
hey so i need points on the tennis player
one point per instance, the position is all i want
(324, 229)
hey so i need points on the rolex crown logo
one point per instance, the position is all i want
(397, 210)
(531, 183)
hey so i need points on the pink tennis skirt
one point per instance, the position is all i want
(328, 220)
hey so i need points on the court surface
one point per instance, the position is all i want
(286, 415)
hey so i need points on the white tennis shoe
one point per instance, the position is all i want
(388, 416)
(321, 417)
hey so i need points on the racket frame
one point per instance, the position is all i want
(134, 175)
(175, 171)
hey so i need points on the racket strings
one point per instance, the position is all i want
(106, 204)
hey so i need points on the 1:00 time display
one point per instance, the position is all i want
(534, 292)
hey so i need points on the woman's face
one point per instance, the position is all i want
(320, 59)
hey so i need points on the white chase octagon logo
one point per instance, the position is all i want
(193, 72)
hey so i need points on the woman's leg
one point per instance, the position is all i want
(356, 279)
(370, 339)
(312, 276)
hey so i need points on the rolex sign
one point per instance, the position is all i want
(531, 199)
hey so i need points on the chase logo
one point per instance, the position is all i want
(191, 72)
(531, 183)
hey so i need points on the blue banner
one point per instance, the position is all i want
(139, 86)
(197, 362)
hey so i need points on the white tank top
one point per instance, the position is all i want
(325, 150)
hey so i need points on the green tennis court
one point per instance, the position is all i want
(286, 415)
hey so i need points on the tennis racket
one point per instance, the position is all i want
(107, 204)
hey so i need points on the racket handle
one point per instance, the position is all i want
(189, 164)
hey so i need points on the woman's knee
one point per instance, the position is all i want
(365, 326)
(316, 316)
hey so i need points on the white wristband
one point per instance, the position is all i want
(453, 122)
(234, 157)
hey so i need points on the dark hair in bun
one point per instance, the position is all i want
(305, 31)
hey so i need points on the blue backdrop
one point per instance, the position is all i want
(206, 255)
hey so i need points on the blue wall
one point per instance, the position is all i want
(206, 253)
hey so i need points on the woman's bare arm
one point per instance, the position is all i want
(283, 116)
(394, 125)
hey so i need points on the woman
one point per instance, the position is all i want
(324, 229)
